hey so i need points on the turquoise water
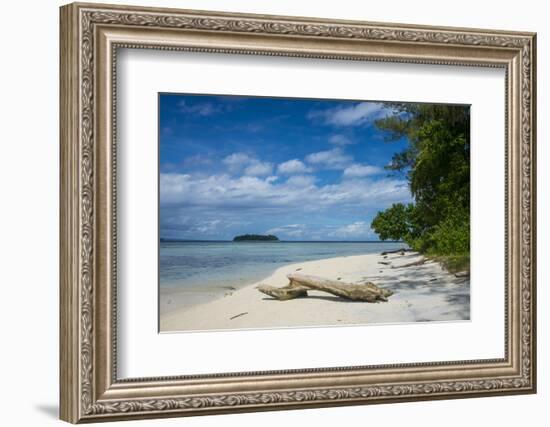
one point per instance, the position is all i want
(215, 265)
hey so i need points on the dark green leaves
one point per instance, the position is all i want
(437, 164)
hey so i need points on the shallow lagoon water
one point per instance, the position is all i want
(206, 266)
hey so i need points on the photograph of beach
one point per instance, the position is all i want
(290, 212)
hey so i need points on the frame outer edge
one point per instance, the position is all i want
(68, 205)
(305, 19)
(77, 339)
(533, 207)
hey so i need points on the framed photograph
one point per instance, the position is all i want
(265, 212)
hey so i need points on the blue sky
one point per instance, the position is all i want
(303, 169)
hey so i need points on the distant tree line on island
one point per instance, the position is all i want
(256, 238)
(436, 163)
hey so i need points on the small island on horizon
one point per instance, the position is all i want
(256, 238)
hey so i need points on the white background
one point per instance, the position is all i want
(144, 353)
(29, 170)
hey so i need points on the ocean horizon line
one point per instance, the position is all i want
(168, 240)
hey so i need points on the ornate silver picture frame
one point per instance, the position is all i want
(91, 35)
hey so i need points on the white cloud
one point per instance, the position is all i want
(361, 171)
(208, 227)
(356, 230)
(300, 181)
(236, 162)
(181, 223)
(194, 225)
(354, 115)
(330, 159)
(340, 140)
(299, 193)
(191, 205)
(291, 230)
(200, 108)
(293, 166)
(214, 190)
(197, 160)
(257, 168)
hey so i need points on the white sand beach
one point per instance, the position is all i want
(425, 292)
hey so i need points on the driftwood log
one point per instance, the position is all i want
(413, 264)
(300, 284)
(397, 251)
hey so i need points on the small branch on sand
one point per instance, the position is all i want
(301, 283)
(238, 315)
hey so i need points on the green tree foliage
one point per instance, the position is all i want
(394, 223)
(437, 166)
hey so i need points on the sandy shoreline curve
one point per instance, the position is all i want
(425, 292)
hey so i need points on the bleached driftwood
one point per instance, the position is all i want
(412, 264)
(301, 283)
(285, 293)
(396, 251)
